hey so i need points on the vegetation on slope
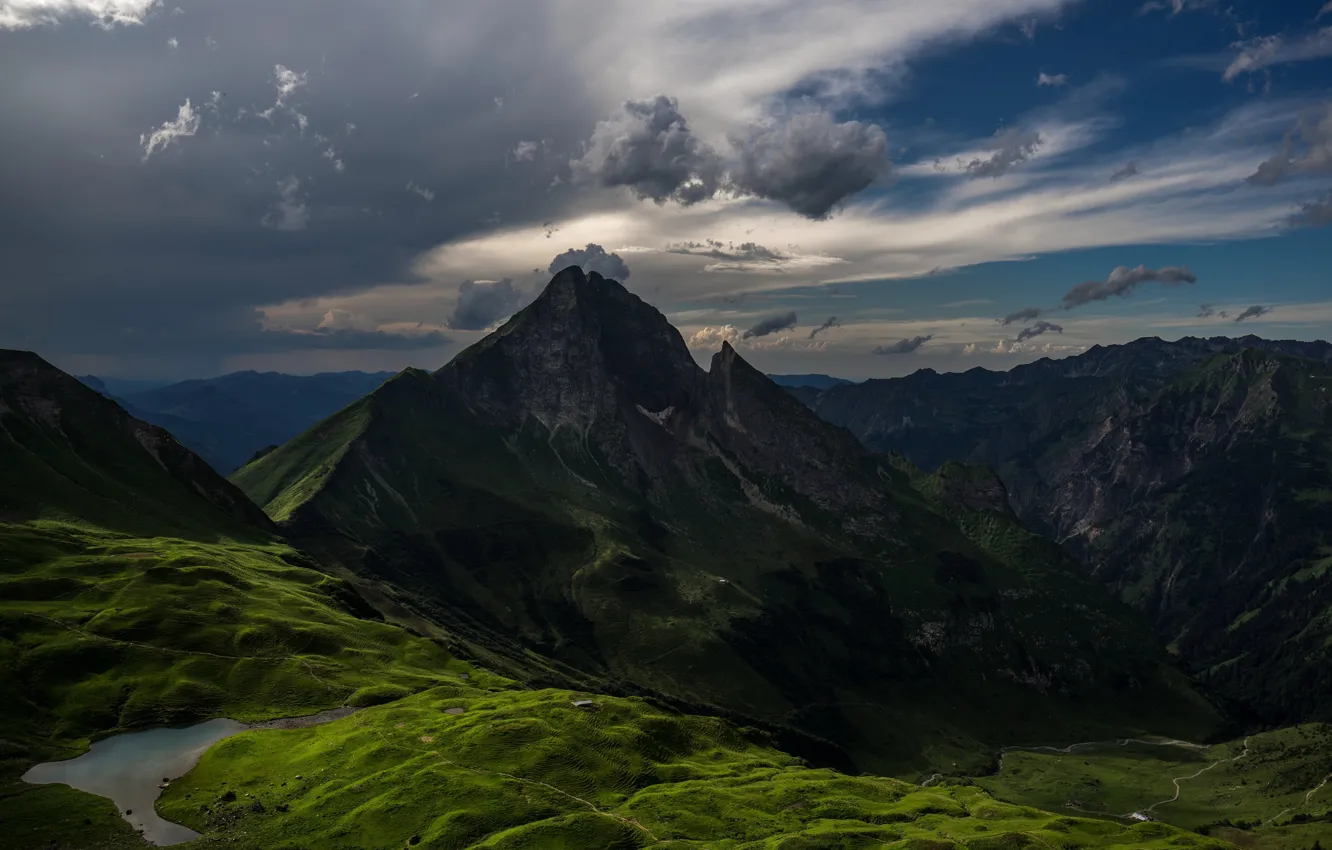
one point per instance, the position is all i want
(1193, 477)
(580, 504)
(102, 631)
(460, 768)
(1270, 790)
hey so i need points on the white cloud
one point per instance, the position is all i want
(287, 81)
(428, 194)
(289, 212)
(1052, 79)
(332, 156)
(525, 151)
(724, 59)
(21, 14)
(173, 42)
(1265, 51)
(186, 123)
(713, 337)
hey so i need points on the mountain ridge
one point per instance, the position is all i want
(1191, 477)
(575, 489)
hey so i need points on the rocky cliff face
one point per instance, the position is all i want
(574, 497)
(1193, 477)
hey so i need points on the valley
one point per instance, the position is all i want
(572, 590)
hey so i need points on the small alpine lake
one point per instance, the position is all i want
(130, 769)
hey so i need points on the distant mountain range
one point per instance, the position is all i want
(226, 420)
(1193, 477)
(818, 382)
(580, 502)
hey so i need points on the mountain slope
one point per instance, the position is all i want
(68, 452)
(1194, 477)
(227, 419)
(576, 500)
(138, 588)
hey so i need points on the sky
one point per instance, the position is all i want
(861, 188)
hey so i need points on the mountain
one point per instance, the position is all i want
(227, 419)
(139, 589)
(70, 453)
(1195, 478)
(818, 382)
(574, 499)
(120, 386)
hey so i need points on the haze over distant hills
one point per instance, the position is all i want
(229, 418)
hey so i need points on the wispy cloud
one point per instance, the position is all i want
(185, 124)
(1317, 213)
(1123, 281)
(427, 194)
(1256, 54)
(1037, 329)
(1253, 312)
(287, 82)
(1008, 148)
(1306, 149)
(289, 211)
(827, 325)
(1045, 79)
(904, 346)
(1124, 173)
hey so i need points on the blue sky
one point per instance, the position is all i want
(210, 186)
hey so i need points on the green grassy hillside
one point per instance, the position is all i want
(459, 768)
(139, 588)
(1272, 790)
(102, 631)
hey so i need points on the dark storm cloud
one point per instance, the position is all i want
(166, 259)
(1037, 329)
(771, 325)
(904, 346)
(1008, 148)
(482, 304)
(648, 147)
(806, 160)
(831, 323)
(593, 258)
(1122, 281)
(1305, 151)
(1253, 312)
(1024, 315)
(810, 162)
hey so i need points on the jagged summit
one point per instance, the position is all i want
(574, 492)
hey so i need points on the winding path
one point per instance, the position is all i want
(1180, 779)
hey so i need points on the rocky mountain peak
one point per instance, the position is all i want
(585, 347)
